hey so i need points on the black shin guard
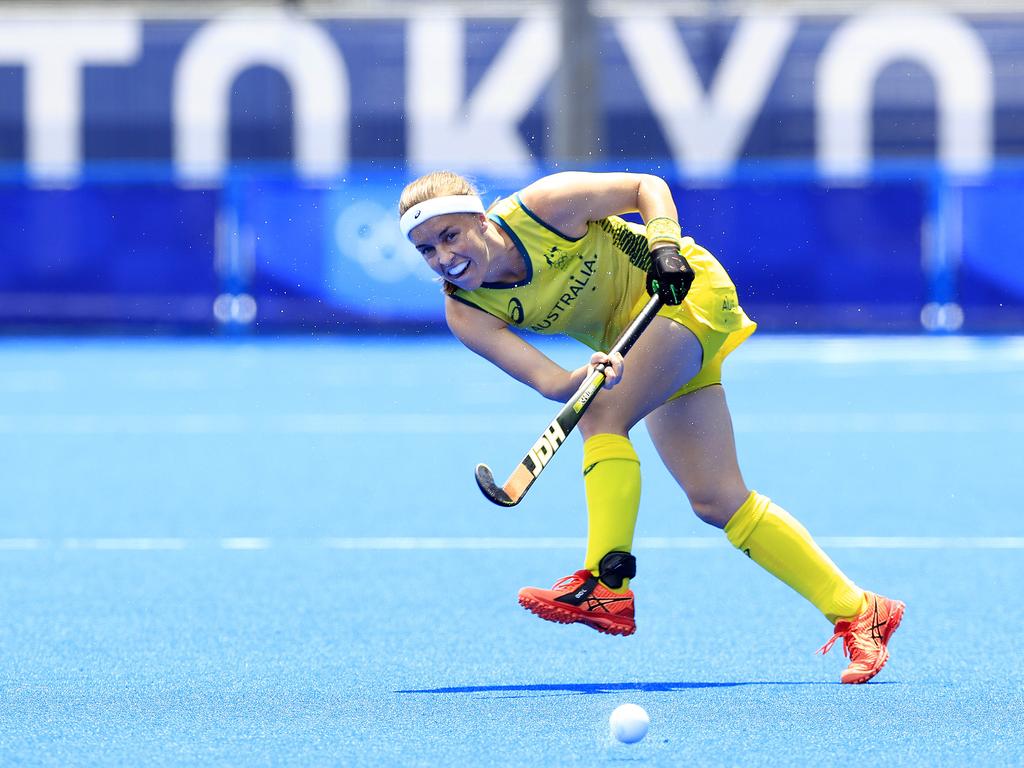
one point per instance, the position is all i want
(615, 567)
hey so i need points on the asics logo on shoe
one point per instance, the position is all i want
(597, 603)
(878, 625)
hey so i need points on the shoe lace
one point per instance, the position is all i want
(856, 639)
(842, 630)
(566, 582)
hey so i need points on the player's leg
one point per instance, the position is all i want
(666, 357)
(694, 436)
(663, 360)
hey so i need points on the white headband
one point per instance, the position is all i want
(439, 206)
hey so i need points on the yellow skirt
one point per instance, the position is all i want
(712, 312)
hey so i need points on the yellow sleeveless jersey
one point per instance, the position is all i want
(590, 287)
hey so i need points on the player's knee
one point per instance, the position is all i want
(600, 420)
(716, 507)
(710, 513)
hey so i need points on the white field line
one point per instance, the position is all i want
(880, 423)
(22, 544)
(922, 542)
(881, 349)
(440, 543)
(469, 542)
(678, 542)
(245, 543)
(825, 422)
(201, 424)
(138, 544)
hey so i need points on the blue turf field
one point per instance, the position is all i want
(274, 553)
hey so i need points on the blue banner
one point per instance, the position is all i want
(805, 256)
(119, 254)
(990, 245)
(333, 255)
(271, 252)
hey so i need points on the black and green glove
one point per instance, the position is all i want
(669, 276)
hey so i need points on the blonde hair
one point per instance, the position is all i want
(435, 184)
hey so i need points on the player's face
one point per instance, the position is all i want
(454, 247)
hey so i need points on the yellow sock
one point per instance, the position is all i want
(776, 541)
(611, 476)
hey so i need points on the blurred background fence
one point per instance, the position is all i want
(235, 167)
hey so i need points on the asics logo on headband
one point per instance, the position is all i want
(439, 206)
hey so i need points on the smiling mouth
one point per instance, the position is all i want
(457, 270)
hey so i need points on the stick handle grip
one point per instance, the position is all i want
(622, 345)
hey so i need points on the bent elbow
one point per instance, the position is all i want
(553, 388)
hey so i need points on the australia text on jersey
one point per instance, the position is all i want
(575, 287)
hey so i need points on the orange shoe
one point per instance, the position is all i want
(582, 598)
(866, 637)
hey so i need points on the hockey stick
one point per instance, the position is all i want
(533, 463)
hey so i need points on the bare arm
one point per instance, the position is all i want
(490, 338)
(567, 201)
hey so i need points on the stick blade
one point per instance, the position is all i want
(494, 492)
